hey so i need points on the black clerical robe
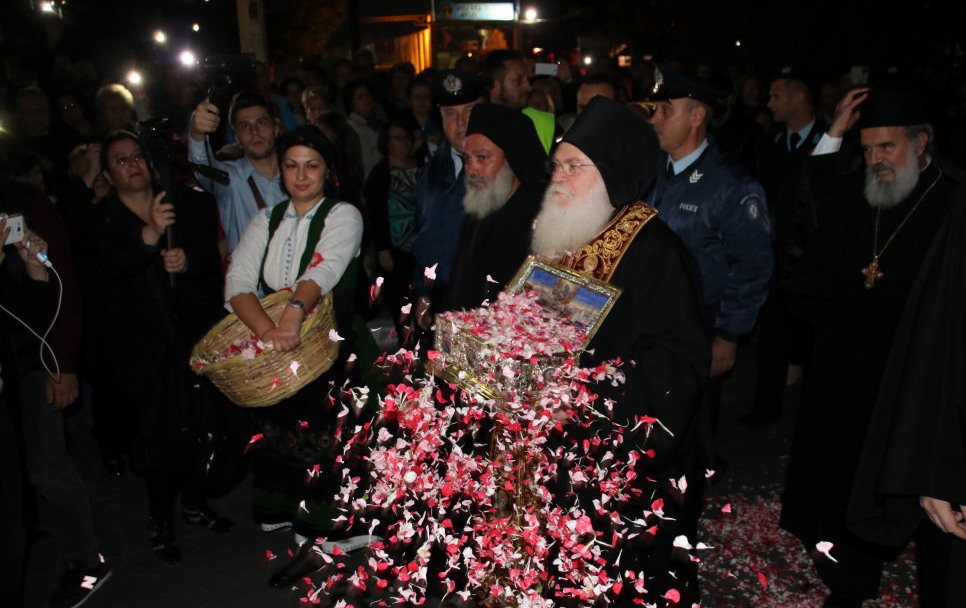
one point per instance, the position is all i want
(658, 328)
(855, 328)
(916, 445)
(494, 246)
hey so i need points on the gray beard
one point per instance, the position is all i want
(883, 195)
(565, 224)
(481, 202)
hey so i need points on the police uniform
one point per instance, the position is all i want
(719, 212)
(440, 190)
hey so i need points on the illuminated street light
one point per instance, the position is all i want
(537, 50)
(195, 27)
(530, 14)
(160, 37)
(737, 43)
(47, 7)
(187, 59)
(134, 78)
(588, 60)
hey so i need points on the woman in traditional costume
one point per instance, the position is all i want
(310, 244)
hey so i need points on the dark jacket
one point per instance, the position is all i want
(439, 214)
(719, 212)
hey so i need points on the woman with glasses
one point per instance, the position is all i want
(157, 298)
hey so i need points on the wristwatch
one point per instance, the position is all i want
(297, 303)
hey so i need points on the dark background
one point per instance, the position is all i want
(826, 34)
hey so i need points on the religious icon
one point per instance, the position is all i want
(552, 310)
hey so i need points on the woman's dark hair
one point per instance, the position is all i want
(405, 122)
(312, 137)
(350, 90)
(421, 81)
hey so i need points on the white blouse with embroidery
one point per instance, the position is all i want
(339, 243)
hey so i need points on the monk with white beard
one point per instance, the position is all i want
(594, 221)
(505, 174)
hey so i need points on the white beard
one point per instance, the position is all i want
(882, 194)
(564, 223)
(484, 198)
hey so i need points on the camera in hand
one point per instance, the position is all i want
(227, 75)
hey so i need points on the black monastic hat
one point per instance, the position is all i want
(516, 135)
(622, 145)
(892, 108)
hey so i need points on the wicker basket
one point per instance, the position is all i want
(269, 377)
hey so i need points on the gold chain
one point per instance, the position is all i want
(871, 272)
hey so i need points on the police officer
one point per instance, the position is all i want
(440, 190)
(716, 208)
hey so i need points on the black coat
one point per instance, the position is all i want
(147, 325)
(658, 328)
(493, 246)
(854, 327)
(916, 444)
(791, 202)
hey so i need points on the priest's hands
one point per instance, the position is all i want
(946, 517)
(846, 112)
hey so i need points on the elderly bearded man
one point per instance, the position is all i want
(853, 285)
(593, 220)
(505, 168)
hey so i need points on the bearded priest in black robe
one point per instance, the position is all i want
(874, 234)
(504, 169)
(593, 220)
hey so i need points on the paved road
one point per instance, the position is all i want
(751, 562)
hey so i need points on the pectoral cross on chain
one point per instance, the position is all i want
(872, 273)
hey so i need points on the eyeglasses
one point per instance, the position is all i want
(568, 169)
(134, 159)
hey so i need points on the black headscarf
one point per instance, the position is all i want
(515, 134)
(622, 145)
(309, 136)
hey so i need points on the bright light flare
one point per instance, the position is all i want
(187, 59)
(530, 14)
(195, 27)
(160, 37)
(537, 50)
(588, 60)
(47, 7)
(737, 43)
(134, 78)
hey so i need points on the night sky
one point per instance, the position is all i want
(825, 33)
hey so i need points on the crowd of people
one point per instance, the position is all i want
(799, 213)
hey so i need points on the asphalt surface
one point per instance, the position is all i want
(751, 562)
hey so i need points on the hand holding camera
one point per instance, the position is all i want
(204, 120)
(162, 216)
